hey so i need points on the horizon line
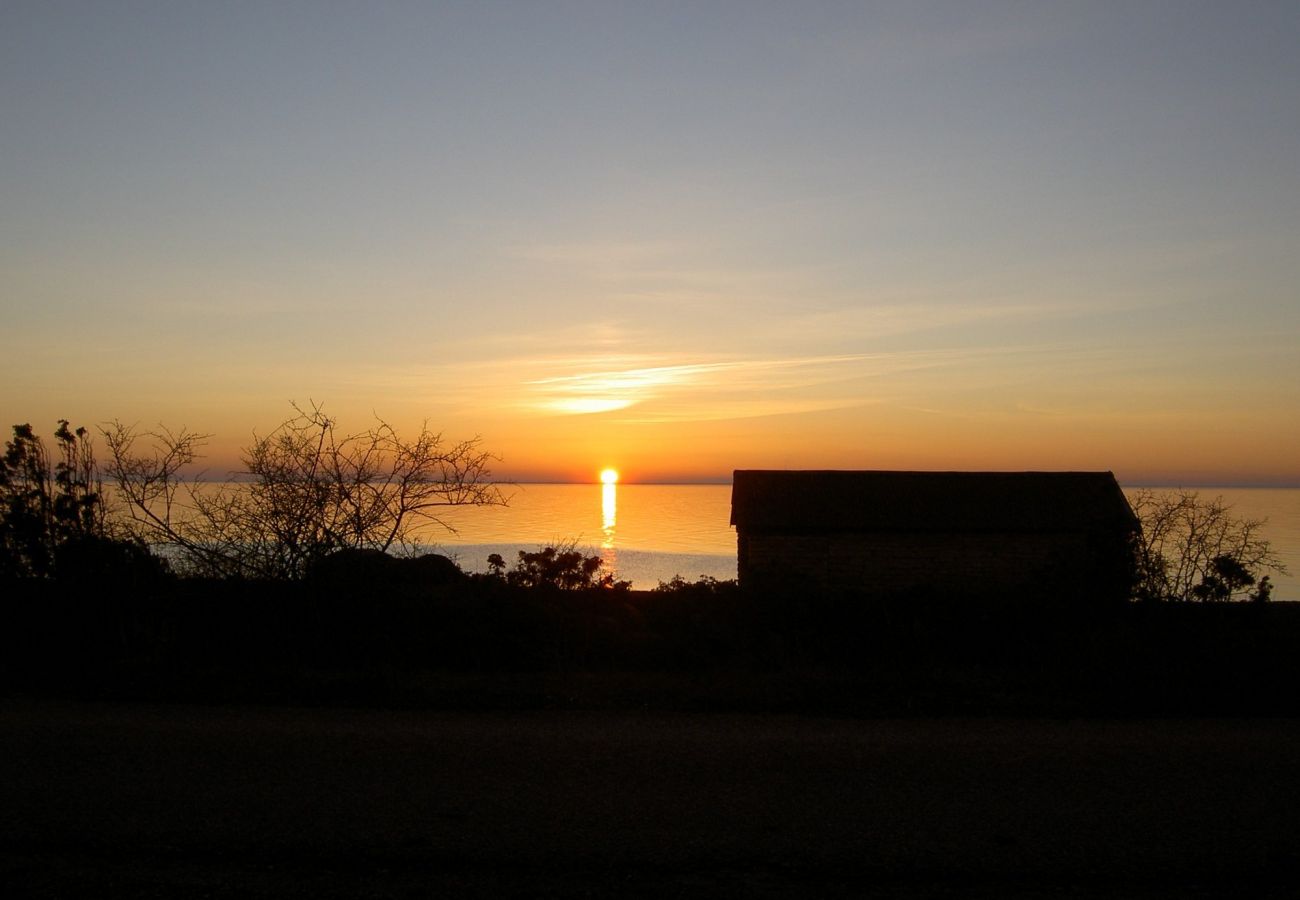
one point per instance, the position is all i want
(720, 482)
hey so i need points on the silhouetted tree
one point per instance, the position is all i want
(313, 491)
(564, 568)
(1195, 550)
(47, 500)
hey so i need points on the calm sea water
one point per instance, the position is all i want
(649, 532)
(1281, 507)
(646, 533)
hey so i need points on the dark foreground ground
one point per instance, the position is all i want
(100, 799)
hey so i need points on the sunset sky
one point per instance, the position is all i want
(671, 238)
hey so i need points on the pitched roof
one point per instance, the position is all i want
(806, 502)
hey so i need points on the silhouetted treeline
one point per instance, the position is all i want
(420, 632)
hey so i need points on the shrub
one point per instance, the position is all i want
(47, 500)
(1191, 549)
(561, 568)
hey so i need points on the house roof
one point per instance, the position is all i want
(809, 502)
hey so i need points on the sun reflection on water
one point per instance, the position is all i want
(608, 512)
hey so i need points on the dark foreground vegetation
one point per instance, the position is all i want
(358, 637)
(304, 586)
(180, 771)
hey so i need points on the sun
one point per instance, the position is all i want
(609, 476)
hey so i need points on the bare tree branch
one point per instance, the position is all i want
(313, 491)
(1194, 549)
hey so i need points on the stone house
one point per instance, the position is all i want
(1058, 534)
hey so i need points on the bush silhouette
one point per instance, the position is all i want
(556, 568)
(53, 520)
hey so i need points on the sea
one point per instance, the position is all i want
(650, 533)
(645, 533)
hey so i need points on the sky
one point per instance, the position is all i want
(673, 238)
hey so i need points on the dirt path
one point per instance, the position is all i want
(167, 801)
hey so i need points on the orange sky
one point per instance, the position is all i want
(674, 240)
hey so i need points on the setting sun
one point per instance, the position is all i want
(609, 476)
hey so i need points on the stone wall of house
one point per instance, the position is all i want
(888, 563)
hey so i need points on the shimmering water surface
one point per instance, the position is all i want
(646, 533)
(649, 532)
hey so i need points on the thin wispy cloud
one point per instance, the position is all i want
(609, 390)
(643, 388)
